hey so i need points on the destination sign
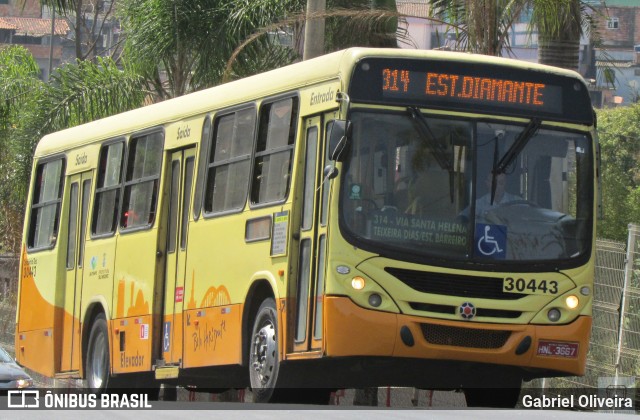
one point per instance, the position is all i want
(472, 87)
(457, 87)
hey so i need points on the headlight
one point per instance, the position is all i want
(572, 301)
(24, 383)
(357, 283)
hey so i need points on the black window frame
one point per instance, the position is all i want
(201, 175)
(72, 225)
(262, 150)
(211, 164)
(128, 184)
(85, 190)
(101, 189)
(35, 206)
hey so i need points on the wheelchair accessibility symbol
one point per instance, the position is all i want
(166, 337)
(491, 241)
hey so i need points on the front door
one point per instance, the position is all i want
(180, 182)
(308, 289)
(79, 194)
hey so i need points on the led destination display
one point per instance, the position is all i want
(472, 87)
(458, 87)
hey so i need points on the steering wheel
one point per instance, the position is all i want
(370, 202)
(519, 203)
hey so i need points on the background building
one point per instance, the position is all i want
(53, 39)
(618, 58)
(22, 23)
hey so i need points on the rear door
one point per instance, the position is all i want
(79, 194)
(180, 182)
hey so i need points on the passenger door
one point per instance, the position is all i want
(79, 194)
(308, 288)
(180, 180)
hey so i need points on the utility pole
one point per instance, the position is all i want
(53, 32)
(314, 29)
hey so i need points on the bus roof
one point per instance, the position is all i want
(335, 65)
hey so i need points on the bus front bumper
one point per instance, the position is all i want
(355, 331)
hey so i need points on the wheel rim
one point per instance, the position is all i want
(264, 355)
(98, 362)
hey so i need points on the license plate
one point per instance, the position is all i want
(558, 349)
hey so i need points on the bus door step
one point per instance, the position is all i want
(167, 372)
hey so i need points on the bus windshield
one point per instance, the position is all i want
(470, 190)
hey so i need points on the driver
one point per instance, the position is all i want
(501, 196)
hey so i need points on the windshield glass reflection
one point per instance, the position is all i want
(429, 186)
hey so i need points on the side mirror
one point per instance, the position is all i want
(339, 134)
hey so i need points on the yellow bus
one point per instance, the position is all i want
(366, 218)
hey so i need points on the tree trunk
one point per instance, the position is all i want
(559, 53)
(561, 47)
(78, 31)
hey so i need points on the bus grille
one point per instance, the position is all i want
(452, 310)
(464, 337)
(453, 285)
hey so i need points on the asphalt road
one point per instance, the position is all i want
(294, 412)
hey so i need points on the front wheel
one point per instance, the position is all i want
(264, 361)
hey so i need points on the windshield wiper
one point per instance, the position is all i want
(521, 141)
(438, 151)
(518, 145)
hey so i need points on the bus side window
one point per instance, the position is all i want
(141, 182)
(229, 161)
(45, 205)
(107, 196)
(274, 151)
(202, 166)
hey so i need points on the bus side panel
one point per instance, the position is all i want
(34, 339)
(213, 293)
(98, 287)
(223, 271)
(132, 334)
(134, 300)
(212, 336)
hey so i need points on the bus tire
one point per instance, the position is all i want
(97, 363)
(264, 361)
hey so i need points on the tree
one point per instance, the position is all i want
(75, 94)
(364, 23)
(370, 23)
(92, 24)
(183, 46)
(172, 48)
(619, 136)
(560, 25)
(480, 26)
(19, 83)
(484, 25)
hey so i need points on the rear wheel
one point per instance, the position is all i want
(98, 366)
(264, 361)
